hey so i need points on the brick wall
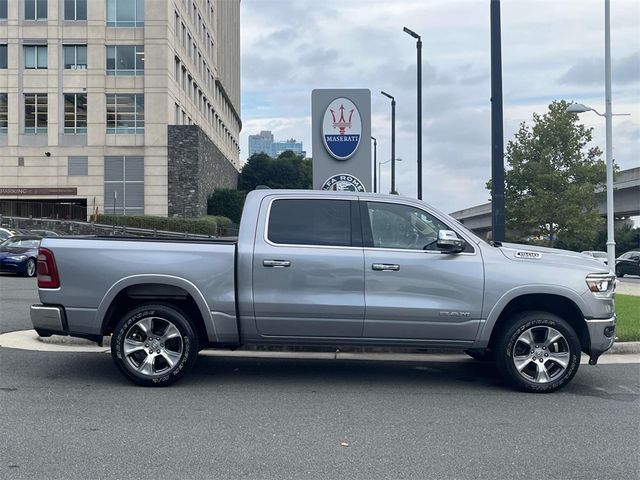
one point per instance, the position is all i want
(196, 167)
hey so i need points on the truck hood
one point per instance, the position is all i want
(532, 253)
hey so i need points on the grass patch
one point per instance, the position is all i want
(628, 312)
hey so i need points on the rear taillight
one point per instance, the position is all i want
(47, 271)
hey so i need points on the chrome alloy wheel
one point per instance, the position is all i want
(152, 346)
(541, 354)
(31, 268)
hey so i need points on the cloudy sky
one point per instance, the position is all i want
(551, 49)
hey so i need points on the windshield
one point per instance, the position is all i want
(21, 242)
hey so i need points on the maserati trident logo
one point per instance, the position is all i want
(341, 128)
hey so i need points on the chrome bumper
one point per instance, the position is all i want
(601, 336)
(48, 320)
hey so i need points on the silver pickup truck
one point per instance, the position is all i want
(327, 269)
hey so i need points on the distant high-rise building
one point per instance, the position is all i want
(261, 143)
(264, 143)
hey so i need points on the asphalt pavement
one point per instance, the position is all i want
(72, 415)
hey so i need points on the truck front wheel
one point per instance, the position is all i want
(538, 352)
(154, 345)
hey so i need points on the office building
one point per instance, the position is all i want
(91, 91)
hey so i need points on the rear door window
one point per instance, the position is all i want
(310, 222)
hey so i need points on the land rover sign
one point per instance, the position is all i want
(341, 123)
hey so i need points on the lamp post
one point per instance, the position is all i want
(375, 158)
(393, 142)
(419, 105)
(580, 108)
(380, 173)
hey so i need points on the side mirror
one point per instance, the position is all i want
(449, 242)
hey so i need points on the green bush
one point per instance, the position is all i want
(204, 226)
(228, 203)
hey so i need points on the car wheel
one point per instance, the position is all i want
(481, 355)
(619, 274)
(538, 352)
(30, 269)
(154, 345)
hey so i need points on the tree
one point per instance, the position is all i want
(287, 171)
(228, 203)
(551, 179)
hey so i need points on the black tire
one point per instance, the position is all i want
(30, 268)
(481, 355)
(619, 274)
(182, 348)
(537, 323)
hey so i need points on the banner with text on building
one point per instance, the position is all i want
(341, 139)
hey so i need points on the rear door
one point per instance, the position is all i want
(308, 268)
(412, 290)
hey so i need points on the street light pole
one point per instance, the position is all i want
(380, 173)
(375, 157)
(393, 143)
(497, 140)
(611, 244)
(608, 117)
(419, 106)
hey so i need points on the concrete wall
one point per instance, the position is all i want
(196, 168)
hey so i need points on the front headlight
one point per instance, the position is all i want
(601, 284)
(17, 258)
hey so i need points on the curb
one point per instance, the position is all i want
(29, 340)
(619, 348)
(625, 348)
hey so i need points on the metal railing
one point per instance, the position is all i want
(67, 227)
(60, 210)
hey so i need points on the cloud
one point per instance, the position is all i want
(590, 71)
(290, 47)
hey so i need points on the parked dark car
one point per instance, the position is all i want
(628, 264)
(19, 254)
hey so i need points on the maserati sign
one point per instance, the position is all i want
(340, 136)
(341, 128)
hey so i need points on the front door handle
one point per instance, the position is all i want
(276, 263)
(386, 266)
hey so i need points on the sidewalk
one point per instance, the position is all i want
(629, 286)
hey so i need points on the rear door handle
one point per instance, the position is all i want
(276, 263)
(386, 266)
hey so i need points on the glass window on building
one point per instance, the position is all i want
(77, 166)
(3, 9)
(75, 113)
(3, 57)
(35, 113)
(4, 112)
(125, 60)
(75, 10)
(35, 56)
(125, 113)
(75, 57)
(125, 13)
(35, 9)
(124, 185)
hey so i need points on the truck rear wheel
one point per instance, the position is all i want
(538, 352)
(154, 345)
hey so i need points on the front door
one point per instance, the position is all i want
(308, 269)
(412, 290)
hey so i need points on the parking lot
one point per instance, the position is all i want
(72, 415)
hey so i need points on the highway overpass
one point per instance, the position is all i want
(626, 203)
